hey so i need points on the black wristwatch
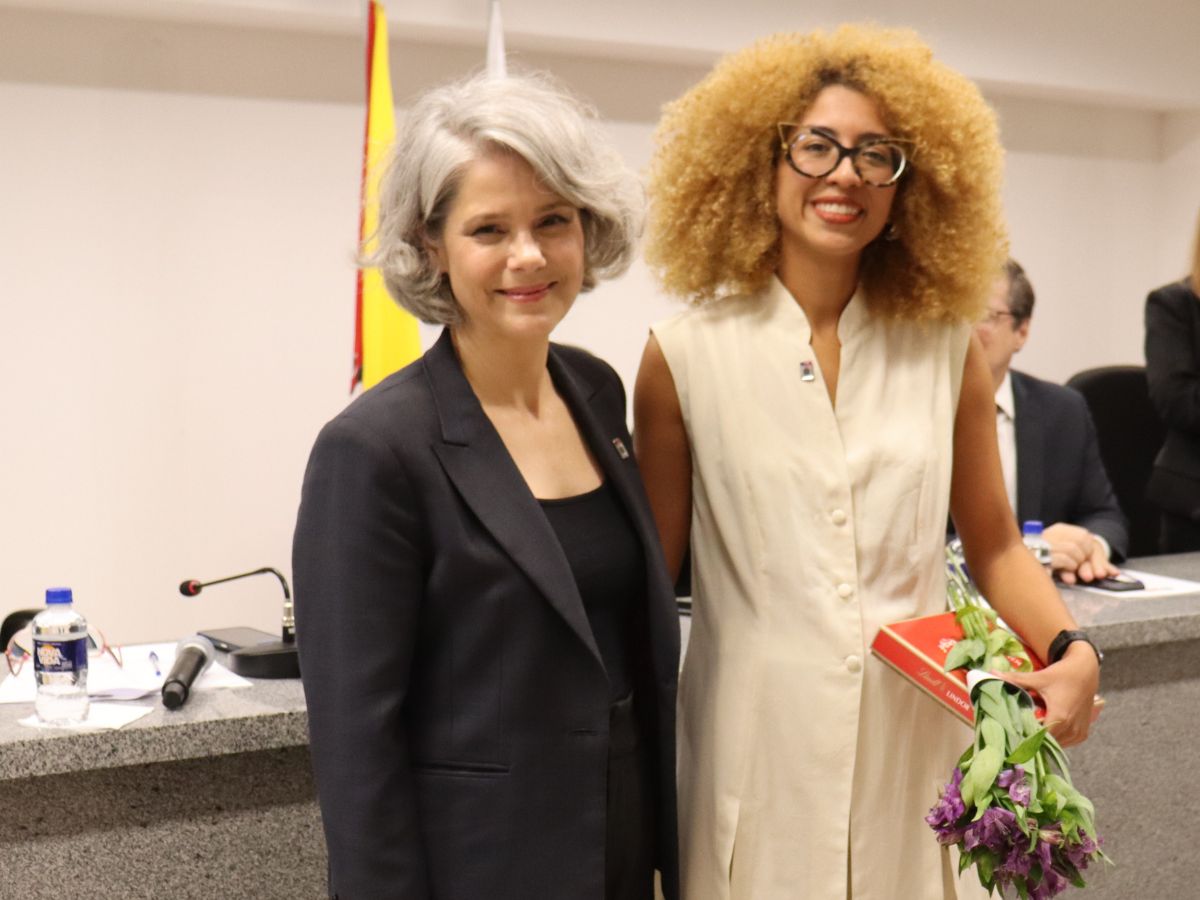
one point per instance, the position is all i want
(1064, 639)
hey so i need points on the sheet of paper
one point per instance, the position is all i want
(101, 717)
(138, 673)
(1155, 586)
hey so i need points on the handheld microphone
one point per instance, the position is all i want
(193, 655)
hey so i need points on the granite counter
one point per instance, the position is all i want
(1136, 766)
(213, 800)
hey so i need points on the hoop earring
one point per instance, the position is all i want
(891, 233)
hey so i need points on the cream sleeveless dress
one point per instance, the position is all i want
(805, 765)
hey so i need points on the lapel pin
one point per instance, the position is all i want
(806, 370)
(620, 445)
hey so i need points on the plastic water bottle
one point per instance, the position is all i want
(60, 660)
(1031, 533)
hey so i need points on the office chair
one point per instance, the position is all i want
(1130, 435)
(13, 623)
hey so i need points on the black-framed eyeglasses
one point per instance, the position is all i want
(814, 153)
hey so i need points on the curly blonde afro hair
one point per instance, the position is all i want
(713, 227)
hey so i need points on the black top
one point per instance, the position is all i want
(1173, 380)
(607, 561)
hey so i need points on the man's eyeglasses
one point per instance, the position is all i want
(20, 648)
(879, 162)
(993, 316)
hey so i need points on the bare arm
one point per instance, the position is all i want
(1005, 571)
(661, 443)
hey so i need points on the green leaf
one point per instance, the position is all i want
(988, 695)
(964, 653)
(982, 803)
(984, 771)
(997, 663)
(1025, 750)
(1071, 872)
(996, 641)
(993, 733)
(986, 865)
(966, 790)
(1055, 751)
(964, 862)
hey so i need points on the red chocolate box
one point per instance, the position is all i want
(917, 649)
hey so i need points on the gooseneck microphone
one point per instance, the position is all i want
(193, 655)
(192, 587)
(277, 659)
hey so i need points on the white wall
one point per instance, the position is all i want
(176, 292)
(1083, 195)
(1180, 192)
(176, 323)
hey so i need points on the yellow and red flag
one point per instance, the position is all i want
(385, 336)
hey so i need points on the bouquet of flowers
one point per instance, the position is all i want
(1010, 806)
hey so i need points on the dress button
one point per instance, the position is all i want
(853, 663)
(838, 517)
(845, 591)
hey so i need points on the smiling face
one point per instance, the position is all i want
(513, 250)
(833, 218)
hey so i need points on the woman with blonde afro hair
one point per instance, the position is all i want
(828, 204)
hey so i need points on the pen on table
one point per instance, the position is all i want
(154, 662)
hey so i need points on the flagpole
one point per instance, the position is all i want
(386, 336)
(497, 62)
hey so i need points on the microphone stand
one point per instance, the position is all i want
(274, 659)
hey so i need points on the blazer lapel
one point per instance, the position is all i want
(1029, 429)
(482, 471)
(610, 446)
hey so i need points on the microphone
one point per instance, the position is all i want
(193, 655)
(191, 587)
(277, 659)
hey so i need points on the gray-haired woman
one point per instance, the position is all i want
(487, 631)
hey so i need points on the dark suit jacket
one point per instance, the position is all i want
(458, 706)
(1060, 476)
(1173, 378)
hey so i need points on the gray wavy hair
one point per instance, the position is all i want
(450, 126)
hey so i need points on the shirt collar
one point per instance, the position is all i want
(1004, 397)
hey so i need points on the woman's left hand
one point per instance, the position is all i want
(1068, 689)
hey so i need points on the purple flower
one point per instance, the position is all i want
(994, 830)
(1051, 885)
(1044, 849)
(1079, 854)
(949, 810)
(1019, 862)
(1014, 780)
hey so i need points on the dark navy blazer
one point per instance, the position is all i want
(458, 706)
(1060, 475)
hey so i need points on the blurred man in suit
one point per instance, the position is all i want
(1048, 447)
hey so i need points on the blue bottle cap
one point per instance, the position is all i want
(59, 595)
(1032, 526)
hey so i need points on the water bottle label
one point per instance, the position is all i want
(60, 656)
